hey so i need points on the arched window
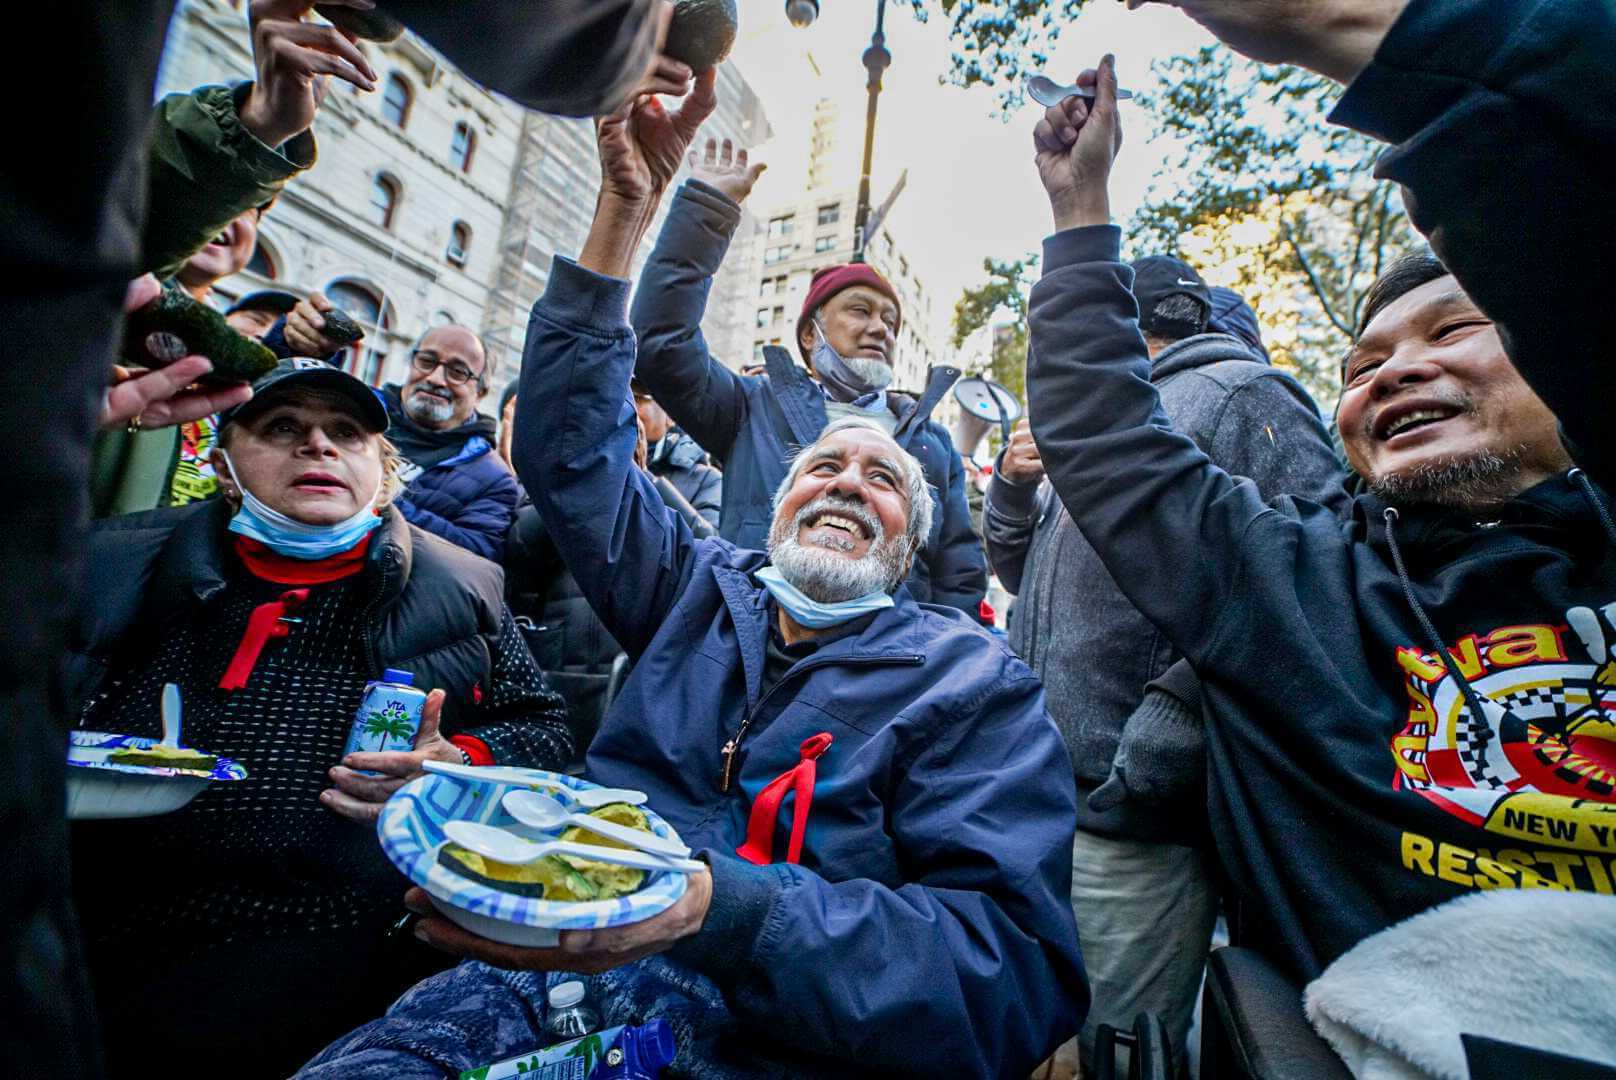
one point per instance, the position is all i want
(396, 100)
(366, 307)
(383, 200)
(459, 243)
(462, 146)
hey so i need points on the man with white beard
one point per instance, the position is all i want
(456, 486)
(905, 911)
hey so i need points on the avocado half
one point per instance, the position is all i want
(174, 325)
(340, 327)
(372, 25)
(702, 32)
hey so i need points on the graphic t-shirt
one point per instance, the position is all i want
(1538, 773)
(194, 478)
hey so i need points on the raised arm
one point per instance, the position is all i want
(217, 152)
(574, 450)
(1144, 496)
(702, 395)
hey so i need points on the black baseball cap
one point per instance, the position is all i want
(301, 372)
(276, 300)
(1157, 277)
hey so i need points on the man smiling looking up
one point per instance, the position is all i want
(906, 911)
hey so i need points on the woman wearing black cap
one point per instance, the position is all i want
(254, 921)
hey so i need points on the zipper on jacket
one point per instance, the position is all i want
(726, 776)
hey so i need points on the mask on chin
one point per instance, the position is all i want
(846, 378)
(816, 614)
(297, 539)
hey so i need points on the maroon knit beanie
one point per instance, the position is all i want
(831, 280)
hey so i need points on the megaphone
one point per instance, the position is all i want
(982, 403)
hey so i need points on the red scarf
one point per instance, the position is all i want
(265, 563)
(269, 621)
(759, 846)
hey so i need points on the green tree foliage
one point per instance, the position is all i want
(1005, 291)
(1264, 185)
(1264, 196)
(998, 42)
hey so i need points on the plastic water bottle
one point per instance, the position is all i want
(570, 1015)
(389, 716)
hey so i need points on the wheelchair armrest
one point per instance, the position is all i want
(1257, 1013)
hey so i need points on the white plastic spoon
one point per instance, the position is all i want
(171, 716)
(1049, 93)
(543, 812)
(508, 848)
(589, 798)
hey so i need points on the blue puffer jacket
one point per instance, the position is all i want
(928, 929)
(753, 425)
(468, 499)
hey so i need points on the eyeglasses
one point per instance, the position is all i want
(456, 373)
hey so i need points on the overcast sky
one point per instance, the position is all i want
(973, 190)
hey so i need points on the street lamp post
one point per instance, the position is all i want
(876, 61)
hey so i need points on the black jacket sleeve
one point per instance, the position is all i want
(1009, 519)
(1500, 116)
(519, 719)
(571, 57)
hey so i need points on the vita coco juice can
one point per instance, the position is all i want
(388, 716)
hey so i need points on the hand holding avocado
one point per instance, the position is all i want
(643, 143)
(169, 394)
(318, 328)
(702, 32)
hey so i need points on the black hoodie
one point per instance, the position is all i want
(1352, 783)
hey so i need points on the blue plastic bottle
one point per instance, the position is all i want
(389, 716)
(618, 1053)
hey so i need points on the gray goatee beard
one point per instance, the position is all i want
(824, 575)
(1486, 478)
(428, 409)
(874, 372)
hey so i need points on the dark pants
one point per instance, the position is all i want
(71, 194)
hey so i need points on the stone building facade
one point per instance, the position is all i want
(432, 199)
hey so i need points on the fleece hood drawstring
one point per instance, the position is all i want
(1586, 486)
(1479, 705)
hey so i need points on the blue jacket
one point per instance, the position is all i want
(468, 499)
(753, 425)
(928, 929)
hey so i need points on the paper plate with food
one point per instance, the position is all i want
(545, 879)
(123, 776)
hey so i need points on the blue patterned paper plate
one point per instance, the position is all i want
(89, 750)
(411, 832)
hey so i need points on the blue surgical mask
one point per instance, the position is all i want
(295, 539)
(812, 613)
(842, 381)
